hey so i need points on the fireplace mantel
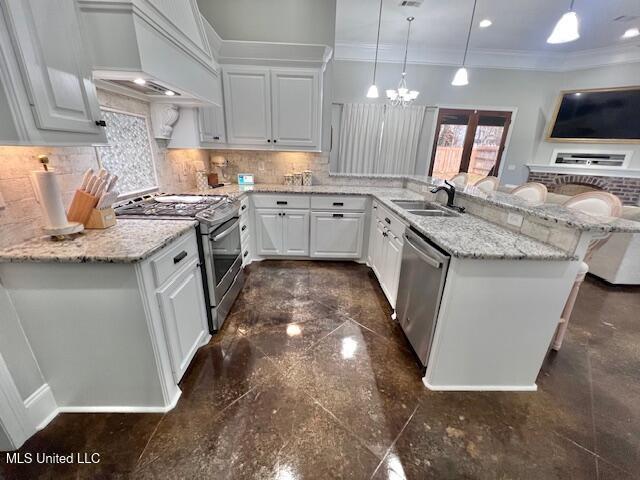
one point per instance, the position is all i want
(584, 170)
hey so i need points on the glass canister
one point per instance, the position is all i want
(288, 179)
(307, 177)
(297, 179)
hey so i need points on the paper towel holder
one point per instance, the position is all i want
(58, 231)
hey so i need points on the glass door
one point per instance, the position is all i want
(469, 141)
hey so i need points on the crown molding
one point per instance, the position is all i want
(236, 52)
(486, 58)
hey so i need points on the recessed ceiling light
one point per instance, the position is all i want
(169, 93)
(485, 23)
(140, 81)
(632, 32)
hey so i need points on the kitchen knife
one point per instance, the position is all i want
(90, 185)
(107, 199)
(102, 172)
(85, 179)
(100, 189)
(96, 186)
(112, 182)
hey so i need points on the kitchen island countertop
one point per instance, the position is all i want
(128, 241)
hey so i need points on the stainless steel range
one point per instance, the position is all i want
(218, 242)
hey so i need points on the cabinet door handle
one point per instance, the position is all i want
(338, 204)
(244, 227)
(216, 138)
(246, 252)
(387, 220)
(338, 215)
(274, 140)
(281, 202)
(179, 257)
(269, 140)
(101, 123)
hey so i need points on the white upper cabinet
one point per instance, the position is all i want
(47, 78)
(247, 100)
(211, 121)
(274, 108)
(296, 108)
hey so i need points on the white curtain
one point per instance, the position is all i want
(360, 128)
(376, 138)
(400, 139)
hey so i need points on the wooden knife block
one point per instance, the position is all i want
(81, 207)
(103, 218)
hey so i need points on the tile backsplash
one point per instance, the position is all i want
(21, 219)
(268, 167)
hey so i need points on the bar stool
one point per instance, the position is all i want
(531, 192)
(594, 203)
(460, 180)
(488, 184)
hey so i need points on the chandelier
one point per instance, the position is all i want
(402, 96)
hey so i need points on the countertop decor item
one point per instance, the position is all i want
(307, 178)
(288, 179)
(245, 179)
(49, 196)
(297, 179)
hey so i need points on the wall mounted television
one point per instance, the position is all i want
(610, 115)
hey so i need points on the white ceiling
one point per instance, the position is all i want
(520, 28)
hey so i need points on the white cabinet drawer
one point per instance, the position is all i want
(244, 225)
(336, 235)
(174, 257)
(244, 206)
(281, 201)
(390, 221)
(338, 203)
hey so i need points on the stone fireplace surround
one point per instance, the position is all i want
(627, 189)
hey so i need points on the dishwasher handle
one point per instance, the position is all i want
(435, 263)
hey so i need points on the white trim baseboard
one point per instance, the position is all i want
(122, 408)
(480, 388)
(41, 407)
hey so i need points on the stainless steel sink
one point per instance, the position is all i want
(424, 209)
(414, 204)
(431, 213)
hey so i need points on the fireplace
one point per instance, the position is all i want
(627, 189)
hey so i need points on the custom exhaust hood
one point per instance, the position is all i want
(151, 47)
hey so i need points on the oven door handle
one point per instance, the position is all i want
(228, 231)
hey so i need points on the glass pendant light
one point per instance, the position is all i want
(567, 28)
(402, 95)
(461, 78)
(373, 89)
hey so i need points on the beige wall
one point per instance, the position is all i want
(268, 167)
(22, 219)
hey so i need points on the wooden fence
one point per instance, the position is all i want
(447, 161)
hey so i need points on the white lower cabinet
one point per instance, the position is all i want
(184, 317)
(385, 251)
(336, 235)
(283, 232)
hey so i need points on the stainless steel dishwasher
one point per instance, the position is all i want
(422, 276)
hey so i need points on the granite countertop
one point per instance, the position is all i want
(550, 212)
(128, 241)
(463, 236)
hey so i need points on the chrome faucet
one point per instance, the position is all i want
(451, 195)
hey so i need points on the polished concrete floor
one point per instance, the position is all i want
(311, 379)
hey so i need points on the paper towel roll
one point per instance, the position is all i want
(50, 198)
